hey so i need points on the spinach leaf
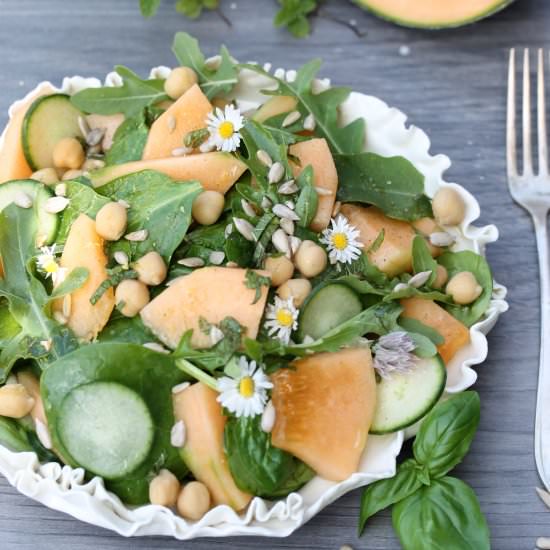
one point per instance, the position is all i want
(129, 141)
(308, 200)
(130, 330)
(446, 433)
(9, 328)
(239, 250)
(156, 202)
(445, 514)
(152, 375)
(323, 106)
(413, 325)
(293, 15)
(130, 99)
(13, 436)
(424, 347)
(392, 184)
(455, 262)
(213, 81)
(258, 467)
(422, 259)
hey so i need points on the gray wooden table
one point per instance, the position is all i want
(452, 84)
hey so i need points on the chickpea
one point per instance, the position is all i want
(448, 206)
(179, 81)
(15, 401)
(280, 269)
(441, 277)
(164, 489)
(68, 153)
(151, 269)
(208, 207)
(111, 221)
(311, 259)
(71, 174)
(131, 296)
(464, 288)
(47, 176)
(193, 500)
(297, 288)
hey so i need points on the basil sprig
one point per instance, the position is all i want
(431, 509)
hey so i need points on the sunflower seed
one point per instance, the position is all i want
(84, 126)
(295, 243)
(228, 230)
(287, 226)
(61, 189)
(283, 211)
(308, 339)
(177, 434)
(264, 157)
(93, 151)
(95, 136)
(178, 388)
(56, 204)
(280, 242)
(544, 496)
(43, 433)
(171, 122)
(246, 229)
(399, 287)
(416, 281)
(181, 151)
(291, 118)
(231, 264)
(41, 240)
(124, 203)
(67, 305)
(543, 543)
(154, 346)
(191, 262)
(276, 173)
(59, 317)
(121, 258)
(206, 147)
(288, 188)
(336, 209)
(309, 123)
(268, 418)
(216, 335)
(216, 257)
(290, 204)
(266, 203)
(441, 239)
(321, 191)
(22, 200)
(46, 344)
(137, 236)
(248, 209)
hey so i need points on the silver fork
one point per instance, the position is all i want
(532, 191)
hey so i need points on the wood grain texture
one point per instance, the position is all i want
(452, 84)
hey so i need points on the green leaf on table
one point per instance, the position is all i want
(149, 7)
(293, 15)
(392, 184)
(129, 141)
(308, 199)
(445, 514)
(213, 81)
(193, 8)
(129, 99)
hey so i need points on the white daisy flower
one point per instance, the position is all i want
(281, 319)
(47, 264)
(224, 128)
(246, 394)
(342, 241)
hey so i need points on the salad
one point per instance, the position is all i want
(201, 303)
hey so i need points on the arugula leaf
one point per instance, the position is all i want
(422, 259)
(130, 99)
(392, 184)
(255, 281)
(212, 81)
(347, 139)
(129, 141)
(308, 200)
(293, 15)
(149, 7)
(193, 8)
(74, 280)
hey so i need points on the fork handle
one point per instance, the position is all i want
(542, 417)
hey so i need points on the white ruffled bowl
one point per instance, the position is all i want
(64, 488)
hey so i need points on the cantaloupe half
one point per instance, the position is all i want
(203, 452)
(324, 408)
(276, 105)
(13, 164)
(455, 334)
(433, 14)
(209, 293)
(188, 113)
(215, 171)
(84, 248)
(316, 152)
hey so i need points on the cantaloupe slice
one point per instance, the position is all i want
(188, 113)
(109, 123)
(456, 334)
(203, 452)
(215, 171)
(316, 152)
(210, 293)
(13, 164)
(324, 408)
(84, 248)
(276, 105)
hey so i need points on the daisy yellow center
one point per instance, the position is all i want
(340, 241)
(51, 266)
(226, 129)
(285, 318)
(246, 386)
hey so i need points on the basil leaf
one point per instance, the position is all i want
(308, 200)
(392, 184)
(441, 516)
(13, 436)
(129, 141)
(422, 259)
(379, 495)
(446, 433)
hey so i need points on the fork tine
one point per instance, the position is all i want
(541, 117)
(526, 117)
(511, 159)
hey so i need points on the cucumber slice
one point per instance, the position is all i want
(49, 119)
(47, 223)
(326, 308)
(106, 427)
(403, 399)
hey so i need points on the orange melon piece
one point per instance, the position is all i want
(456, 334)
(276, 105)
(215, 171)
(210, 293)
(84, 248)
(189, 113)
(109, 123)
(203, 452)
(13, 164)
(316, 152)
(325, 405)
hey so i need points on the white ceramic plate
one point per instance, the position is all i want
(64, 488)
